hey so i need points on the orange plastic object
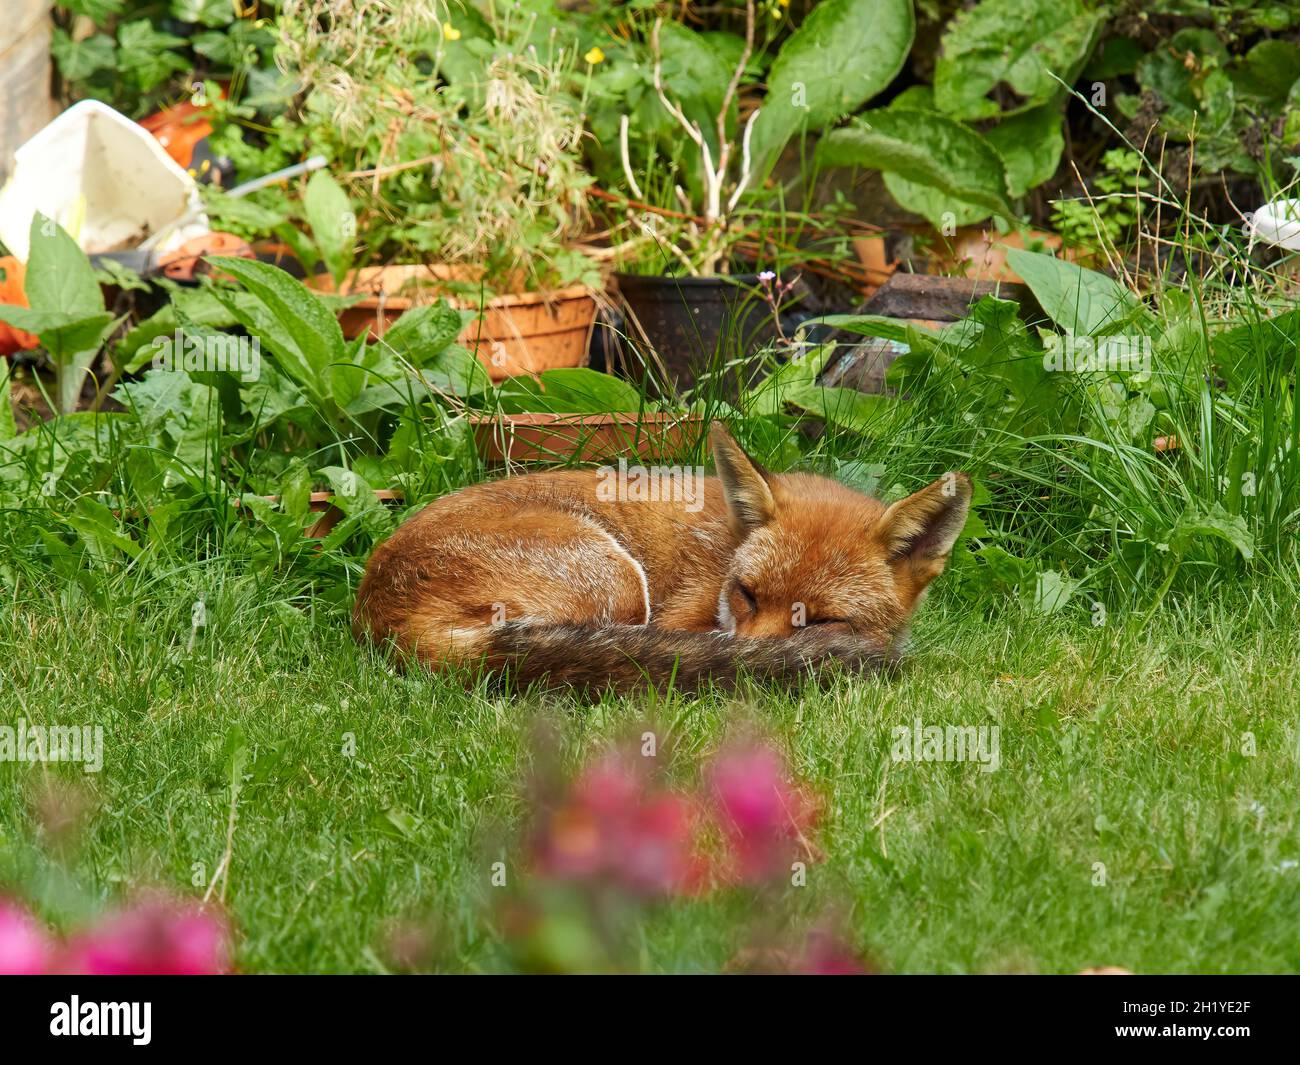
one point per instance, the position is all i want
(178, 129)
(11, 292)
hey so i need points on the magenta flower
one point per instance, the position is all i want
(159, 937)
(612, 827)
(653, 850)
(826, 955)
(762, 815)
(25, 948)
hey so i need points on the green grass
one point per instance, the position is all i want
(1120, 745)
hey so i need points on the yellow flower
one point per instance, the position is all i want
(594, 56)
(450, 32)
(783, 3)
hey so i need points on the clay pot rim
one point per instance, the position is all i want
(506, 300)
(548, 418)
(688, 281)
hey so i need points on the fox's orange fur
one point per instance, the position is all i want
(775, 573)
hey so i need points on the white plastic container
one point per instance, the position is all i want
(104, 179)
(1277, 223)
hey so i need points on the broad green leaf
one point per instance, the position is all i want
(154, 398)
(333, 223)
(1030, 144)
(356, 498)
(993, 340)
(939, 209)
(423, 332)
(295, 490)
(1214, 522)
(694, 68)
(61, 285)
(352, 493)
(926, 148)
(1004, 568)
(859, 475)
(1115, 57)
(204, 12)
(145, 53)
(241, 211)
(393, 393)
(1268, 71)
(272, 396)
(1052, 591)
(569, 391)
(299, 329)
(845, 407)
(95, 10)
(61, 334)
(79, 60)
(456, 372)
(200, 430)
(59, 276)
(768, 397)
(1024, 44)
(99, 529)
(198, 307)
(1082, 302)
(285, 529)
(74, 347)
(874, 325)
(843, 54)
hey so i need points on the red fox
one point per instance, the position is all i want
(546, 577)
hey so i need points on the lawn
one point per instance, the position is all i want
(446, 241)
(1121, 747)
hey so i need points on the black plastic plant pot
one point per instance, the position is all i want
(692, 326)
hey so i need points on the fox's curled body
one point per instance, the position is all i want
(545, 578)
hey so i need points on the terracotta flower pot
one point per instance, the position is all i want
(547, 437)
(523, 333)
(980, 253)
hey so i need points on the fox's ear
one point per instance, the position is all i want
(744, 483)
(922, 528)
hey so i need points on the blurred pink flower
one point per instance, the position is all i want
(158, 937)
(763, 816)
(609, 786)
(826, 955)
(612, 826)
(25, 948)
(654, 848)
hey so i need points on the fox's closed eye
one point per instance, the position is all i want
(748, 596)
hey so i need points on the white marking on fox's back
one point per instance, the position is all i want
(640, 570)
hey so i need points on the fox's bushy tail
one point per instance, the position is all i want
(626, 656)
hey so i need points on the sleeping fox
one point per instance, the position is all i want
(546, 577)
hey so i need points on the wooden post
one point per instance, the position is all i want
(26, 103)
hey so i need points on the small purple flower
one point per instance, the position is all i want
(767, 275)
